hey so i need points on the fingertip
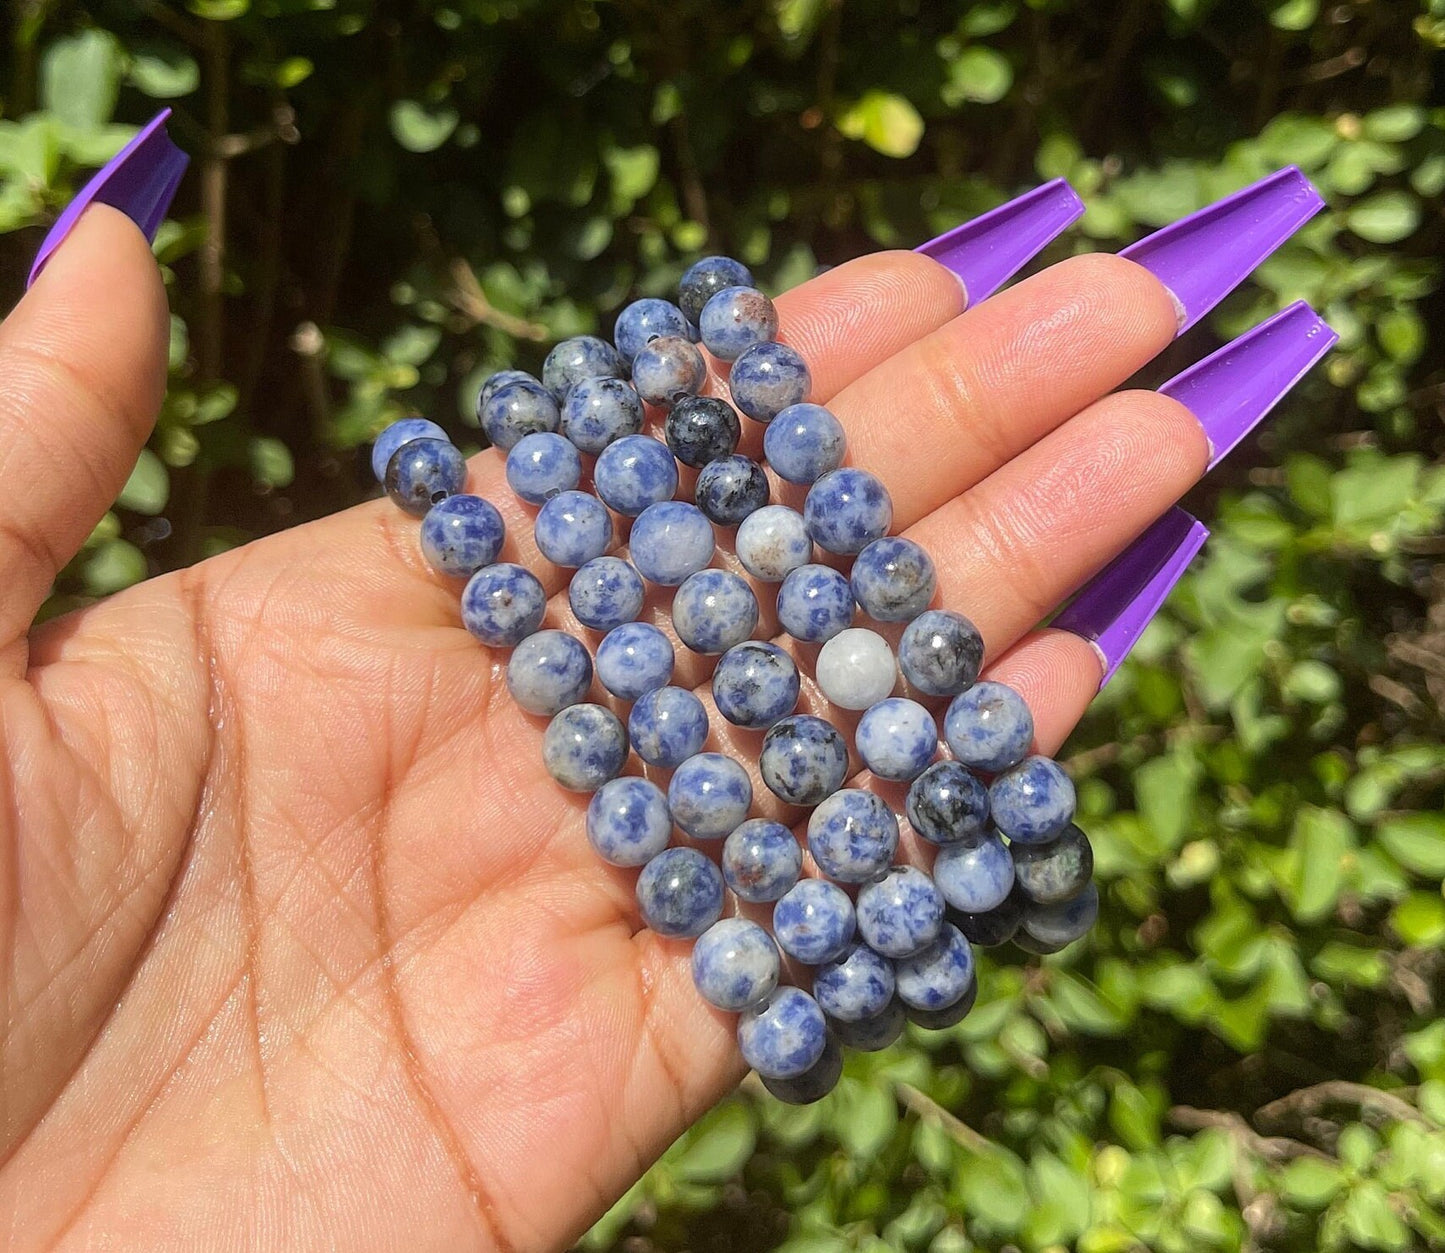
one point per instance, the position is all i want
(1058, 675)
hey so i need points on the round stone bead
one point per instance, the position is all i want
(709, 795)
(584, 747)
(605, 593)
(424, 472)
(1058, 871)
(578, 358)
(668, 369)
(948, 804)
(1062, 923)
(667, 726)
(761, 860)
(700, 429)
(714, 610)
(680, 893)
(804, 442)
(1033, 802)
(645, 320)
(735, 319)
(896, 738)
(633, 473)
(813, 921)
(803, 759)
(702, 280)
(893, 579)
(847, 509)
(815, 603)
(994, 926)
(975, 877)
(548, 671)
(502, 604)
(989, 727)
(755, 683)
(939, 976)
(542, 465)
(856, 669)
(600, 411)
(735, 964)
(949, 1015)
(671, 540)
(814, 1083)
(768, 378)
(872, 1035)
(523, 407)
(940, 653)
(730, 489)
(634, 659)
(461, 534)
(772, 542)
(853, 836)
(856, 985)
(495, 382)
(572, 528)
(628, 822)
(785, 1036)
(1028, 944)
(397, 434)
(901, 913)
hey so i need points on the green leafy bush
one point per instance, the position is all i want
(1247, 1055)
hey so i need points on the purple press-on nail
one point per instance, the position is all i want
(989, 250)
(1113, 608)
(1232, 390)
(1205, 256)
(140, 180)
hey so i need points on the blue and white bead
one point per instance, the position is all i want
(502, 604)
(1033, 802)
(495, 382)
(633, 473)
(394, 436)
(872, 1035)
(853, 835)
(755, 683)
(772, 542)
(731, 488)
(713, 611)
(523, 407)
(948, 804)
(667, 726)
(668, 369)
(600, 411)
(804, 442)
(803, 759)
(542, 465)
(424, 472)
(680, 893)
(584, 747)
(813, 921)
(605, 593)
(847, 509)
(735, 964)
(461, 534)
(940, 653)
(901, 913)
(856, 669)
(628, 822)
(896, 738)
(949, 1015)
(785, 1036)
(975, 877)
(815, 603)
(940, 975)
(548, 671)
(735, 319)
(768, 378)
(581, 357)
(761, 860)
(1057, 925)
(634, 659)
(702, 280)
(893, 579)
(854, 986)
(671, 540)
(709, 795)
(814, 1083)
(645, 320)
(700, 429)
(573, 528)
(989, 727)
(1058, 871)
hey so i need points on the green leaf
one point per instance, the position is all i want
(1416, 841)
(1394, 124)
(1320, 840)
(988, 18)
(1385, 218)
(1310, 1182)
(1295, 14)
(1370, 1220)
(865, 1119)
(1164, 788)
(633, 171)
(148, 487)
(418, 129)
(886, 122)
(271, 462)
(1402, 334)
(1350, 964)
(80, 78)
(977, 74)
(164, 73)
(993, 1190)
(411, 344)
(219, 10)
(114, 566)
(1134, 1117)
(1374, 490)
(1419, 919)
(719, 1147)
(1082, 1008)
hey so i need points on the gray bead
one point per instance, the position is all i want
(679, 893)
(893, 579)
(713, 611)
(1048, 874)
(548, 671)
(803, 760)
(735, 964)
(940, 653)
(584, 747)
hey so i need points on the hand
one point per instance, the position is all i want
(302, 946)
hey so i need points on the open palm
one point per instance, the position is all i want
(302, 948)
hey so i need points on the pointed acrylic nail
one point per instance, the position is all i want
(1113, 608)
(988, 251)
(1231, 391)
(140, 181)
(1204, 257)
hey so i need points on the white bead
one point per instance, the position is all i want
(772, 542)
(856, 668)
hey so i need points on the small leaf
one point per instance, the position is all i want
(1295, 14)
(886, 122)
(1394, 124)
(1321, 838)
(633, 170)
(418, 130)
(978, 74)
(164, 73)
(148, 487)
(1385, 218)
(80, 77)
(271, 462)
(112, 567)
(719, 1147)
(993, 1189)
(1419, 919)
(1310, 1182)
(1370, 1220)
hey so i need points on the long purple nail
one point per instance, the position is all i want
(140, 181)
(1204, 257)
(1113, 608)
(1232, 390)
(988, 251)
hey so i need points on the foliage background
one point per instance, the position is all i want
(391, 198)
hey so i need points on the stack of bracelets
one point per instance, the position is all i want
(1010, 863)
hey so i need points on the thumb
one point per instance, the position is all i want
(82, 375)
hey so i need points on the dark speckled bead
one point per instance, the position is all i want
(704, 279)
(847, 509)
(893, 579)
(1059, 871)
(803, 759)
(398, 433)
(948, 804)
(503, 604)
(1062, 923)
(701, 429)
(423, 472)
(940, 653)
(731, 488)
(713, 611)
(900, 913)
(735, 319)
(755, 684)
(680, 893)
(871, 1035)
(768, 378)
(995, 926)
(584, 747)
(578, 358)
